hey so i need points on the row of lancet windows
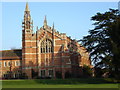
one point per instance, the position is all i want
(46, 46)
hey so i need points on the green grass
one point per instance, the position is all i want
(59, 83)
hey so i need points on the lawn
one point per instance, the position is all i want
(59, 83)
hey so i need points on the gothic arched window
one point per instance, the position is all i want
(46, 46)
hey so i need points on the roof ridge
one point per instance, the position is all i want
(9, 50)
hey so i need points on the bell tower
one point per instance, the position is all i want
(27, 31)
(27, 23)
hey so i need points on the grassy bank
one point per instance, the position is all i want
(59, 83)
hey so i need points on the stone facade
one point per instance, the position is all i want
(48, 53)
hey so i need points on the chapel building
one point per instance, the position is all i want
(46, 53)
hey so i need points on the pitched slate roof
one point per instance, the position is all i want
(11, 54)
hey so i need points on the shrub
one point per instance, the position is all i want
(87, 71)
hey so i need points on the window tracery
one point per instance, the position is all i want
(46, 46)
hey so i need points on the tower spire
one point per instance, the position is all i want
(53, 26)
(45, 22)
(45, 18)
(27, 23)
(27, 7)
